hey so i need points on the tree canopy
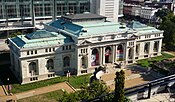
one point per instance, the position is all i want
(96, 88)
(162, 13)
(168, 26)
(119, 87)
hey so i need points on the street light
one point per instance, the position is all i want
(68, 75)
(8, 86)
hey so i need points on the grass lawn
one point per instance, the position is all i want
(48, 97)
(147, 62)
(75, 81)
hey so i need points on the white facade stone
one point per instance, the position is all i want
(83, 54)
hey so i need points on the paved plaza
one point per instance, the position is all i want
(134, 75)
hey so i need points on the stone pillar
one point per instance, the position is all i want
(54, 11)
(89, 57)
(103, 54)
(78, 62)
(160, 46)
(33, 13)
(126, 50)
(113, 53)
(151, 48)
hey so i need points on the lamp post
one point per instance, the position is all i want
(68, 75)
(8, 86)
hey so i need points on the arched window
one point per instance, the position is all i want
(66, 61)
(50, 64)
(108, 54)
(119, 53)
(156, 45)
(32, 68)
(146, 48)
(95, 57)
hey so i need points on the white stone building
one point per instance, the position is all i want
(148, 12)
(107, 8)
(79, 44)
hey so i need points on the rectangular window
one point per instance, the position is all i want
(53, 49)
(63, 48)
(31, 52)
(66, 47)
(27, 52)
(35, 51)
(46, 50)
(50, 49)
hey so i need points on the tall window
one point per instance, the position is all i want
(48, 9)
(32, 68)
(156, 45)
(95, 57)
(50, 64)
(119, 53)
(146, 48)
(66, 61)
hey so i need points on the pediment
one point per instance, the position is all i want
(85, 42)
(134, 36)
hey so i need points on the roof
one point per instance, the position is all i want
(136, 24)
(96, 28)
(22, 41)
(66, 26)
(83, 16)
(40, 34)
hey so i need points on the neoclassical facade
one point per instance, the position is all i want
(80, 43)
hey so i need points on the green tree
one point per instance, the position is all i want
(95, 89)
(168, 26)
(119, 87)
(69, 97)
(162, 13)
(14, 34)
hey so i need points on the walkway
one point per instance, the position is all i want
(64, 85)
(2, 93)
(161, 97)
(134, 75)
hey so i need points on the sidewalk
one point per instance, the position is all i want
(64, 85)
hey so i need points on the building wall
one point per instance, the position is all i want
(108, 8)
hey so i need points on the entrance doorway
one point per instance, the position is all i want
(108, 55)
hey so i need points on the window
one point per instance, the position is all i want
(32, 68)
(53, 49)
(50, 64)
(31, 52)
(66, 47)
(35, 51)
(46, 50)
(50, 49)
(27, 52)
(66, 61)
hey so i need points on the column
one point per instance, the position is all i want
(54, 11)
(113, 53)
(103, 54)
(151, 48)
(33, 13)
(125, 53)
(160, 46)
(89, 57)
